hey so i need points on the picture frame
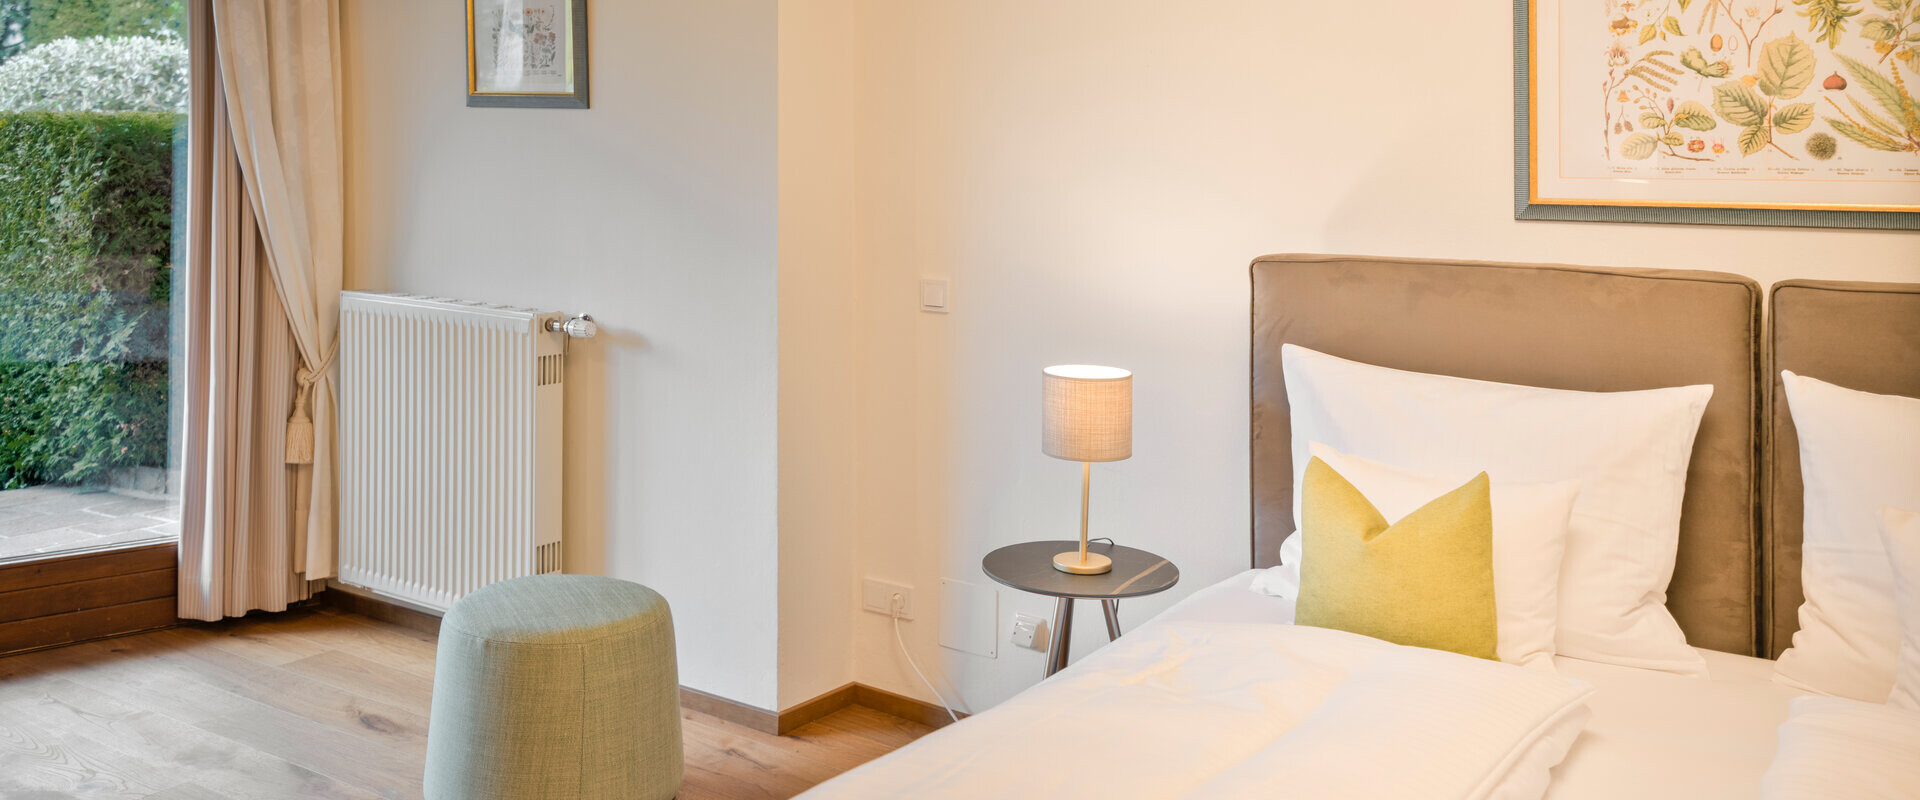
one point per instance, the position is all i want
(536, 61)
(1669, 152)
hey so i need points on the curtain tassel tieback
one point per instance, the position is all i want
(300, 422)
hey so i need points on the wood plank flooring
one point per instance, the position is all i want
(316, 704)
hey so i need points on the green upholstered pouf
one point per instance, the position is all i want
(555, 686)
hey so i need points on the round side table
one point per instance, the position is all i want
(1028, 566)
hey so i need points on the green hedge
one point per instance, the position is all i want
(48, 20)
(86, 214)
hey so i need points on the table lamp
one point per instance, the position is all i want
(1086, 416)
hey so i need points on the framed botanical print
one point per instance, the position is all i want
(527, 53)
(1745, 112)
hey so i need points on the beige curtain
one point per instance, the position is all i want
(279, 63)
(263, 286)
(238, 545)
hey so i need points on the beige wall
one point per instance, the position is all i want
(819, 299)
(655, 211)
(1095, 176)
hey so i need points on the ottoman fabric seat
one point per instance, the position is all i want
(555, 686)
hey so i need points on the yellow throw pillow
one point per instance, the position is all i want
(1425, 581)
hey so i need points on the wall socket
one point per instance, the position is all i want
(878, 597)
(1026, 632)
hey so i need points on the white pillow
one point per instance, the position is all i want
(1529, 538)
(1627, 450)
(1859, 453)
(1900, 529)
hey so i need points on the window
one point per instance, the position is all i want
(93, 101)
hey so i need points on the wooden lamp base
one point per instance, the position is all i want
(1075, 563)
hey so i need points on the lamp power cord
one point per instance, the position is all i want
(894, 609)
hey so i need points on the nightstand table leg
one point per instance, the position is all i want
(1062, 635)
(1112, 608)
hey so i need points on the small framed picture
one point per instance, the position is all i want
(527, 53)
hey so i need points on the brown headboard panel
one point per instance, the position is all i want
(1563, 327)
(1863, 336)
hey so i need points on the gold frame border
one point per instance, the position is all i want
(1533, 153)
(473, 69)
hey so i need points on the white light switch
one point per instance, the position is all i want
(933, 295)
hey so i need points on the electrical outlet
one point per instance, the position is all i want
(1026, 632)
(878, 595)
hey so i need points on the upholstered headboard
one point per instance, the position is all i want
(1542, 325)
(1863, 336)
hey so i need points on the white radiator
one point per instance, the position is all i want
(450, 418)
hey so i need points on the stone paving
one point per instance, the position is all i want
(39, 520)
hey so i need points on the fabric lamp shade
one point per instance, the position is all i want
(1086, 413)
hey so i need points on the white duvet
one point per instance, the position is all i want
(1836, 747)
(1204, 709)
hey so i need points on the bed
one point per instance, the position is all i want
(1652, 734)
(1638, 732)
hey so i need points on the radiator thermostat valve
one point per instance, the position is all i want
(580, 326)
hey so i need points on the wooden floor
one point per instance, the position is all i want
(319, 704)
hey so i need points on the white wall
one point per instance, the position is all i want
(1095, 177)
(758, 188)
(655, 211)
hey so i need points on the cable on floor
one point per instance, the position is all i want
(895, 608)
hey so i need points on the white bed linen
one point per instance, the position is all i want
(1835, 747)
(1211, 709)
(1653, 734)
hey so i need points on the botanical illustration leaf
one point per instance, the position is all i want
(1878, 29)
(1891, 98)
(1647, 32)
(1886, 5)
(1794, 118)
(1786, 67)
(1866, 137)
(1673, 139)
(1648, 119)
(1828, 18)
(1694, 60)
(1672, 25)
(1739, 104)
(1685, 3)
(1639, 146)
(1694, 116)
(1876, 121)
(1753, 138)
